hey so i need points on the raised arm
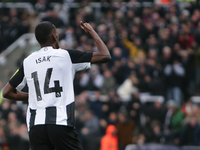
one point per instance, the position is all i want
(103, 54)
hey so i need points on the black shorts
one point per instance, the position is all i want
(51, 137)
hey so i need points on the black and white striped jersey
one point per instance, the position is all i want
(49, 74)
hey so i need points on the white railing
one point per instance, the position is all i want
(195, 99)
(27, 6)
(150, 98)
(20, 42)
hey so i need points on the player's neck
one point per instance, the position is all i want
(46, 45)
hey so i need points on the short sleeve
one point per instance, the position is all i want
(81, 66)
(22, 85)
(18, 77)
(79, 56)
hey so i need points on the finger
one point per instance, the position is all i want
(82, 23)
(82, 27)
(85, 24)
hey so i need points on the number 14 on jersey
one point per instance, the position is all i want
(57, 88)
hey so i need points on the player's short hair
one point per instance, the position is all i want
(43, 31)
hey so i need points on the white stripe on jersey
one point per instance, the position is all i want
(21, 85)
(40, 116)
(61, 115)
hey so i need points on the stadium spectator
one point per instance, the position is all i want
(125, 129)
(92, 81)
(110, 140)
(91, 131)
(154, 50)
(14, 23)
(155, 111)
(109, 82)
(191, 133)
(174, 74)
(128, 88)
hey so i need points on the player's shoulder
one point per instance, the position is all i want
(62, 50)
(71, 52)
(30, 56)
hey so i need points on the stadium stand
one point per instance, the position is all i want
(149, 90)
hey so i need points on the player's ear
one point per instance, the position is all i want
(54, 36)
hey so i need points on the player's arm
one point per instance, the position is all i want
(103, 54)
(10, 91)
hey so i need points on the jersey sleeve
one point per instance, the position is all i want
(22, 85)
(79, 56)
(18, 77)
(81, 66)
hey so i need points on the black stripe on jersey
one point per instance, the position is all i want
(25, 88)
(79, 56)
(32, 119)
(17, 77)
(50, 115)
(70, 114)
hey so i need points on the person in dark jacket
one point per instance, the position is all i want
(191, 133)
(174, 74)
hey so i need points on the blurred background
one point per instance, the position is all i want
(145, 98)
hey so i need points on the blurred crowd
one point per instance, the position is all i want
(13, 24)
(155, 51)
